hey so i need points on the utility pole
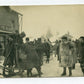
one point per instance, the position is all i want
(20, 22)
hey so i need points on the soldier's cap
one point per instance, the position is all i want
(23, 34)
(16, 31)
(82, 37)
(64, 37)
(27, 39)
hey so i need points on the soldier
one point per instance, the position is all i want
(47, 50)
(15, 42)
(65, 55)
(9, 54)
(81, 53)
(39, 49)
(18, 42)
(33, 58)
(56, 48)
(74, 53)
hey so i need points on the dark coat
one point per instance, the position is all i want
(81, 52)
(28, 58)
(46, 48)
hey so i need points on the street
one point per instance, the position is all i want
(51, 69)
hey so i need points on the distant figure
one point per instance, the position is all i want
(39, 49)
(47, 50)
(56, 47)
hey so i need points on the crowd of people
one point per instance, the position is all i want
(33, 49)
(68, 52)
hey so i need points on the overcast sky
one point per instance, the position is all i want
(37, 20)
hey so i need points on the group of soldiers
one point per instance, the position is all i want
(70, 52)
(16, 50)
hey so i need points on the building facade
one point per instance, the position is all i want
(9, 23)
(9, 20)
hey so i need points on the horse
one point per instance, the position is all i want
(29, 59)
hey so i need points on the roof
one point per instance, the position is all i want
(10, 10)
(16, 12)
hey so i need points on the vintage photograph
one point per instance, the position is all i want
(41, 41)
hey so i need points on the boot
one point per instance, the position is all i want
(73, 66)
(70, 71)
(47, 60)
(64, 72)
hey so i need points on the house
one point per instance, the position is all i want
(9, 23)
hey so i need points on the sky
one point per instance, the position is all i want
(58, 19)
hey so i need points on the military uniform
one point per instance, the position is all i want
(29, 58)
(39, 49)
(47, 51)
(81, 55)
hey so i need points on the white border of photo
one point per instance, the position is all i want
(57, 80)
(40, 2)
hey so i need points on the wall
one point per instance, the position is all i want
(8, 19)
